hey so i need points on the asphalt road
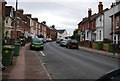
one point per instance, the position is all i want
(64, 63)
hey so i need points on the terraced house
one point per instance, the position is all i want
(9, 22)
(101, 26)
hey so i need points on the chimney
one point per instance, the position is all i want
(44, 22)
(35, 19)
(21, 11)
(29, 15)
(89, 12)
(100, 7)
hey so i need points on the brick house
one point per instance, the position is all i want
(92, 27)
(34, 27)
(3, 16)
(44, 29)
(9, 22)
(23, 24)
(115, 21)
(53, 33)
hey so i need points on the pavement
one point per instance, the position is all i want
(116, 55)
(29, 66)
(25, 66)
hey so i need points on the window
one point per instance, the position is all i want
(100, 34)
(87, 35)
(117, 22)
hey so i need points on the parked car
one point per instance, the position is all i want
(59, 40)
(113, 75)
(48, 40)
(43, 39)
(64, 42)
(72, 44)
(22, 41)
(36, 44)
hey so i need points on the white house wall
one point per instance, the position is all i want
(99, 28)
(62, 36)
(107, 24)
(107, 20)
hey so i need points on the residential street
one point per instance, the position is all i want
(64, 63)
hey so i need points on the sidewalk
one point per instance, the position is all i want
(100, 52)
(26, 66)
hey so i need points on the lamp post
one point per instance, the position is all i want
(15, 23)
(0, 30)
(113, 29)
(1, 40)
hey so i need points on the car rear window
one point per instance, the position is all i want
(74, 41)
(37, 41)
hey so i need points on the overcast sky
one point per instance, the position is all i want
(64, 14)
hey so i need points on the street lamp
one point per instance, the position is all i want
(113, 30)
(15, 23)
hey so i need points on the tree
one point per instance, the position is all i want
(75, 35)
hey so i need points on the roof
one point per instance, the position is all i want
(94, 16)
(61, 31)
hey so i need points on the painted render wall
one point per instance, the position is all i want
(107, 21)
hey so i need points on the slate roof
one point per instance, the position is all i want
(61, 31)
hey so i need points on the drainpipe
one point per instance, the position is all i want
(15, 22)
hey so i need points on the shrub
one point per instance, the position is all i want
(107, 41)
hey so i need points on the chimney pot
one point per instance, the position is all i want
(89, 12)
(100, 7)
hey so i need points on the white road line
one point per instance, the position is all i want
(42, 53)
(44, 67)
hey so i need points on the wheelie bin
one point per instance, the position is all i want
(16, 49)
(99, 45)
(7, 56)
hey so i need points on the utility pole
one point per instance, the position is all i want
(0, 39)
(0, 30)
(113, 30)
(15, 22)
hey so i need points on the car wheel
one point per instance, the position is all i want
(42, 48)
(30, 48)
(76, 47)
(69, 47)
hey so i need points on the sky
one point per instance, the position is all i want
(64, 14)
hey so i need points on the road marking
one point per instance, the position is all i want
(44, 67)
(42, 53)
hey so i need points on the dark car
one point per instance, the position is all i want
(72, 44)
(59, 40)
(113, 75)
(22, 42)
(37, 44)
